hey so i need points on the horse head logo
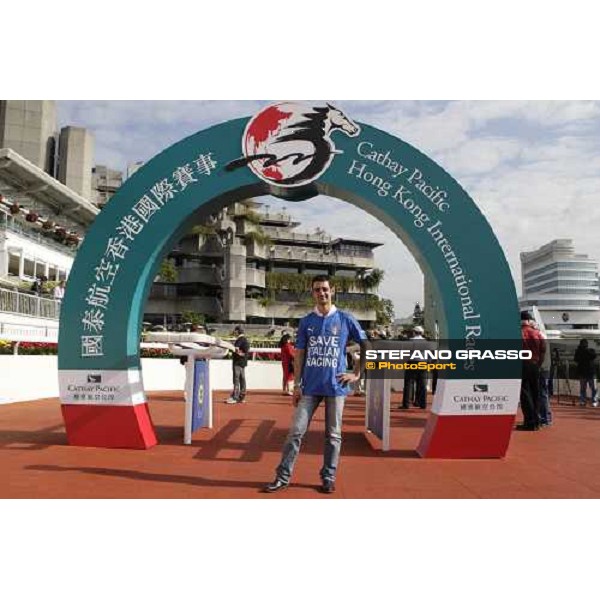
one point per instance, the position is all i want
(289, 144)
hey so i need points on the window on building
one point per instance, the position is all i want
(13, 265)
(29, 268)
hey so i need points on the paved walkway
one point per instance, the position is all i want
(235, 458)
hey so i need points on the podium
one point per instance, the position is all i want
(198, 349)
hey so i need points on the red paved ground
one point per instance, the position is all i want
(236, 457)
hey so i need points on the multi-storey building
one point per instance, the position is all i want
(29, 128)
(75, 160)
(563, 285)
(247, 264)
(42, 223)
(105, 183)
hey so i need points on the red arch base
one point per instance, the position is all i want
(453, 436)
(109, 426)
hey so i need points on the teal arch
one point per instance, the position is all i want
(469, 237)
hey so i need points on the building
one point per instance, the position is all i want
(563, 285)
(42, 223)
(133, 167)
(75, 159)
(248, 264)
(29, 128)
(105, 183)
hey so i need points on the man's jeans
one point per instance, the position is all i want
(239, 382)
(583, 383)
(334, 407)
(545, 413)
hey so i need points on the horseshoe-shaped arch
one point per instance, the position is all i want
(102, 396)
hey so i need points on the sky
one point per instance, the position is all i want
(532, 167)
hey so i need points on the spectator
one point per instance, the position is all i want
(545, 412)
(287, 363)
(584, 357)
(38, 286)
(59, 291)
(530, 377)
(415, 380)
(239, 363)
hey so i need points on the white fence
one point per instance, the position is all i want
(34, 377)
(28, 304)
(27, 332)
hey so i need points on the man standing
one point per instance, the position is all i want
(415, 380)
(530, 378)
(585, 357)
(239, 362)
(320, 376)
(59, 291)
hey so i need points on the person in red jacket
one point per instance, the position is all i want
(287, 363)
(530, 379)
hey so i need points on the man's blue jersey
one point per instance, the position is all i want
(324, 340)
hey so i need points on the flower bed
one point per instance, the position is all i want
(30, 348)
(49, 348)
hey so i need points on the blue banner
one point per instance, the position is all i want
(200, 396)
(378, 410)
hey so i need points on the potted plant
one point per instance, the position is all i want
(15, 208)
(31, 217)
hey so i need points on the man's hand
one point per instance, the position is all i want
(297, 395)
(348, 377)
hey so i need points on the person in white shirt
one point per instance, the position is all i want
(59, 291)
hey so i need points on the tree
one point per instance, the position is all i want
(385, 312)
(167, 272)
(194, 318)
(371, 280)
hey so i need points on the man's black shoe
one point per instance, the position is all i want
(275, 486)
(402, 407)
(525, 428)
(327, 487)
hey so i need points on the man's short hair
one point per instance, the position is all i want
(319, 279)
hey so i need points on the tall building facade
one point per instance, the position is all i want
(75, 159)
(29, 127)
(562, 284)
(247, 264)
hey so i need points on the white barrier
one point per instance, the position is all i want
(33, 377)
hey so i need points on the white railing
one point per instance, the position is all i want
(26, 332)
(27, 304)
(11, 224)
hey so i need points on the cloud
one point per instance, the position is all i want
(532, 167)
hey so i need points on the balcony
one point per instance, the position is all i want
(279, 234)
(256, 250)
(198, 274)
(255, 277)
(310, 255)
(26, 304)
(287, 310)
(197, 304)
(9, 223)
